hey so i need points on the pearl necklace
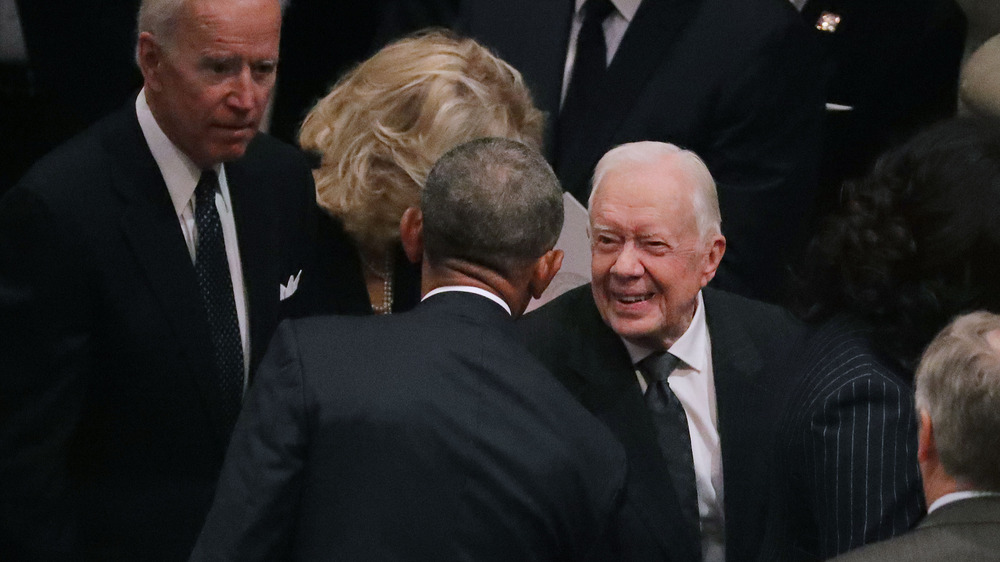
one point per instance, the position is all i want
(386, 277)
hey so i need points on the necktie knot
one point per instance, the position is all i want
(658, 366)
(597, 10)
(208, 184)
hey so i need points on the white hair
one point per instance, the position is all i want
(958, 386)
(161, 17)
(705, 200)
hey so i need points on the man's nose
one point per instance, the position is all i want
(628, 264)
(244, 92)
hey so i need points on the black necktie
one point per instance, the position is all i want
(589, 66)
(216, 287)
(672, 432)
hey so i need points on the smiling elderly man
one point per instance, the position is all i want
(143, 267)
(679, 372)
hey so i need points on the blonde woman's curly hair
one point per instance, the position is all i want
(387, 121)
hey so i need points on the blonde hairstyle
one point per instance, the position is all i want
(386, 122)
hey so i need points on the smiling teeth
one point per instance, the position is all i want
(634, 299)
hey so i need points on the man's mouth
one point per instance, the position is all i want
(633, 299)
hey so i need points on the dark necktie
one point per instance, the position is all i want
(216, 287)
(672, 432)
(589, 66)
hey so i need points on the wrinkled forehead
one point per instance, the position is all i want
(646, 195)
(231, 23)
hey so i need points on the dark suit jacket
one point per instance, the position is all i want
(112, 436)
(846, 471)
(749, 341)
(340, 261)
(896, 63)
(736, 81)
(967, 530)
(427, 435)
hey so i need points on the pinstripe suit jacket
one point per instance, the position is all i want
(846, 455)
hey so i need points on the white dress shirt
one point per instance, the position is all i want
(614, 26)
(693, 383)
(181, 176)
(468, 289)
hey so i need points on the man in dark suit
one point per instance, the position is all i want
(432, 434)
(956, 388)
(893, 69)
(143, 268)
(696, 435)
(736, 81)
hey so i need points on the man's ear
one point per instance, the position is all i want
(149, 55)
(714, 252)
(926, 445)
(411, 233)
(544, 270)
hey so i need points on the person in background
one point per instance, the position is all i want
(739, 82)
(144, 266)
(909, 248)
(379, 131)
(958, 397)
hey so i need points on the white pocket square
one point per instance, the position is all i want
(285, 291)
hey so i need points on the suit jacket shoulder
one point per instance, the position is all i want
(965, 530)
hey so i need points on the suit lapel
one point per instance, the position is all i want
(153, 232)
(649, 39)
(532, 35)
(612, 393)
(255, 231)
(740, 393)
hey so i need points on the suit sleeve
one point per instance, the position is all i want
(45, 337)
(253, 515)
(861, 453)
(764, 155)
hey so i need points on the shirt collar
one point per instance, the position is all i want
(963, 495)
(179, 172)
(690, 348)
(468, 289)
(627, 8)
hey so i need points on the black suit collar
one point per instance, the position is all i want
(466, 304)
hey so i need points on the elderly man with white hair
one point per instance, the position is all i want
(958, 396)
(679, 372)
(143, 268)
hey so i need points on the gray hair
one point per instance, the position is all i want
(958, 385)
(705, 199)
(161, 18)
(493, 202)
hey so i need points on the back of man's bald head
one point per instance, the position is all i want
(492, 202)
